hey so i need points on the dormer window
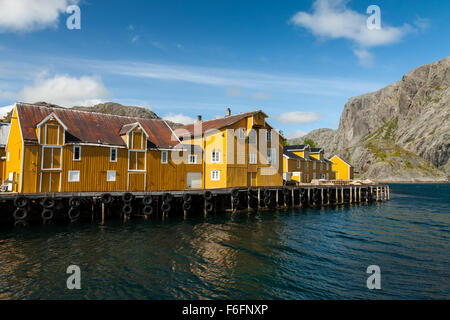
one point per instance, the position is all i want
(269, 136)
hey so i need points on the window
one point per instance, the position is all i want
(314, 176)
(164, 157)
(328, 166)
(269, 135)
(192, 159)
(252, 158)
(74, 176)
(306, 166)
(215, 175)
(215, 156)
(113, 155)
(271, 155)
(76, 153)
(314, 166)
(252, 137)
(298, 163)
(242, 133)
(110, 176)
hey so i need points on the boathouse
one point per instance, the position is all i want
(63, 150)
(240, 150)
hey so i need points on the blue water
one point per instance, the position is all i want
(296, 254)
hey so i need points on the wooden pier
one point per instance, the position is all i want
(22, 210)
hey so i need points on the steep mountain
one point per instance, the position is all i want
(398, 133)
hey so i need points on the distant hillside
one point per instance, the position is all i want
(398, 133)
(119, 110)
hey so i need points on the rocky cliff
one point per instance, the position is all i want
(398, 133)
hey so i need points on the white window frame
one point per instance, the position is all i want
(166, 160)
(110, 154)
(314, 165)
(242, 133)
(79, 153)
(270, 158)
(299, 164)
(215, 156)
(314, 176)
(53, 148)
(253, 137)
(73, 172)
(215, 175)
(269, 136)
(192, 156)
(252, 158)
(108, 179)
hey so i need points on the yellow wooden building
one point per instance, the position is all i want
(62, 150)
(343, 169)
(4, 132)
(240, 150)
(304, 164)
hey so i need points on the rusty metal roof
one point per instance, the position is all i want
(90, 127)
(213, 124)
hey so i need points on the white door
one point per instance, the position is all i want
(194, 180)
(10, 178)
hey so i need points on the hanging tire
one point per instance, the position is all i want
(20, 224)
(187, 197)
(267, 193)
(209, 207)
(148, 210)
(186, 206)
(20, 214)
(106, 198)
(167, 197)
(267, 201)
(74, 213)
(166, 207)
(236, 202)
(21, 202)
(47, 214)
(127, 209)
(208, 195)
(148, 200)
(127, 197)
(235, 193)
(48, 203)
(75, 202)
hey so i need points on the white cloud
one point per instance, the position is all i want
(298, 117)
(365, 58)
(179, 118)
(135, 38)
(235, 92)
(229, 78)
(66, 91)
(4, 110)
(261, 96)
(31, 15)
(332, 19)
(295, 134)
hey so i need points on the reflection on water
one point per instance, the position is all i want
(298, 254)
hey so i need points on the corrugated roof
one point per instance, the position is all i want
(291, 155)
(296, 147)
(90, 127)
(214, 124)
(4, 132)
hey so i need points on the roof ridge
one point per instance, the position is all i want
(83, 111)
(234, 115)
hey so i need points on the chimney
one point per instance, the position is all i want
(199, 118)
(228, 112)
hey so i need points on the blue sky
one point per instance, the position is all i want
(299, 61)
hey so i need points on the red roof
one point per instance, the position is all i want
(214, 124)
(90, 127)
